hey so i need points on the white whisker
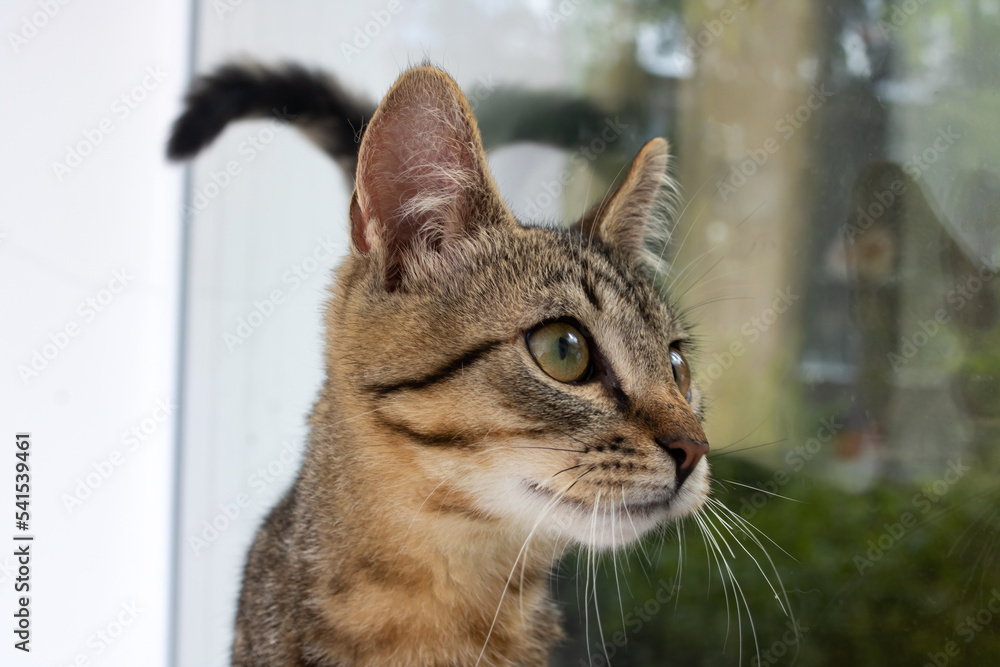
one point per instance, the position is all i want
(739, 589)
(545, 510)
(776, 495)
(677, 222)
(725, 524)
(742, 524)
(614, 563)
(713, 552)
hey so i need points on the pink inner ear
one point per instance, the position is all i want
(418, 168)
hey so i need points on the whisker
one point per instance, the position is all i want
(719, 300)
(751, 214)
(770, 493)
(565, 470)
(677, 223)
(640, 549)
(635, 530)
(739, 589)
(553, 449)
(739, 543)
(744, 524)
(722, 452)
(680, 296)
(614, 563)
(715, 552)
(586, 588)
(972, 524)
(586, 445)
(682, 539)
(597, 610)
(542, 515)
(727, 275)
(752, 431)
(693, 263)
(698, 259)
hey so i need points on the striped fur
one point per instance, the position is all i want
(444, 469)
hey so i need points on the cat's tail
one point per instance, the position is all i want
(309, 100)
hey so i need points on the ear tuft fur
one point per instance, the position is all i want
(638, 216)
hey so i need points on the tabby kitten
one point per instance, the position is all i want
(494, 393)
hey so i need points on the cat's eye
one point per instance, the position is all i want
(561, 351)
(682, 374)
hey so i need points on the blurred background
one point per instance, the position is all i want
(837, 250)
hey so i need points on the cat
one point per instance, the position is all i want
(495, 393)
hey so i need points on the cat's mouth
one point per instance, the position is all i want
(606, 520)
(657, 500)
(613, 515)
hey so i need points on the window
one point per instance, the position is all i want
(837, 249)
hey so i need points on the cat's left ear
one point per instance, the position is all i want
(638, 215)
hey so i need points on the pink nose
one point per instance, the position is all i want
(685, 453)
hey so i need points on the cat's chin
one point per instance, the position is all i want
(607, 522)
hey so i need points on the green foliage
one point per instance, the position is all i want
(864, 588)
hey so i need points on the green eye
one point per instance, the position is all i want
(560, 350)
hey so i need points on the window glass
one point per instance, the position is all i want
(836, 248)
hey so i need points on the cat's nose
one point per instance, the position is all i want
(685, 453)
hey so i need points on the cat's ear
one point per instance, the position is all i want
(422, 179)
(637, 216)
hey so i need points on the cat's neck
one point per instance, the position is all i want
(408, 564)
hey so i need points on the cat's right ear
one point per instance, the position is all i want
(422, 180)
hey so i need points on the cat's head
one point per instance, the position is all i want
(534, 373)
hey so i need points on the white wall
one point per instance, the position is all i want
(62, 240)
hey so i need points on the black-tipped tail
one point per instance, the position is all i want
(311, 101)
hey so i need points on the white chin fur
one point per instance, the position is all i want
(610, 525)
